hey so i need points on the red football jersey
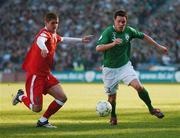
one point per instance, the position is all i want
(34, 63)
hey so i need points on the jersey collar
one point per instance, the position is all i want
(116, 31)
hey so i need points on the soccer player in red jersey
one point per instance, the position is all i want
(39, 79)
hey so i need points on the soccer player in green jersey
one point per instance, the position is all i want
(115, 44)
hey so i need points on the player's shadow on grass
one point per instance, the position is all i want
(96, 130)
(87, 124)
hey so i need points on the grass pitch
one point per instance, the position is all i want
(78, 118)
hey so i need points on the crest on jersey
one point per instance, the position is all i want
(127, 37)
(100, 38)
(113, 36)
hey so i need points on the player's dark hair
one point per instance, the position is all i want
(50, 16)
(121, 13)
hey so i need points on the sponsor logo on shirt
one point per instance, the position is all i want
(100, 38)
(113, 36)
(127, 37)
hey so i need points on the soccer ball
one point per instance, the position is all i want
(103, 108)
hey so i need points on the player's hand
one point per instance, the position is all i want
(87, 39)
(163, 49)
(44, 53)
(117, 41)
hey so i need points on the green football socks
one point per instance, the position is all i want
(145, 97)
(113, 113)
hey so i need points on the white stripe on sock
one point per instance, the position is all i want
(30, 106)
(59, 102)
(43, 119)
(20, 97)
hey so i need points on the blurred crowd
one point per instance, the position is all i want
(20, 21)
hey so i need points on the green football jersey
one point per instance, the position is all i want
(118, 55)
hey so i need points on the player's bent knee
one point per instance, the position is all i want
(59, 102)
(37, 108)
(65, 99)
(139, 88)
(112, 98)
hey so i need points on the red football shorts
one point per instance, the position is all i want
(36, 86)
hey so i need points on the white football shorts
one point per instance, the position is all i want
(112, 77)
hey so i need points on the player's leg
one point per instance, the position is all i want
(142, 92)
(144, 96)
(21, 97)
(60, 98)
(33, 100)
(130, 78)
(18, 97)
(111, 86)
(54, 89)
(112, 101)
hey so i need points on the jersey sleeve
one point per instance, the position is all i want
(59, 38)
(41, 43)
(105, 38)
(136, 34)
(44, 34)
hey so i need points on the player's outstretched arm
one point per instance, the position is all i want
(85, 39)
(153, 42)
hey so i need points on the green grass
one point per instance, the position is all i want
(78, 117)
